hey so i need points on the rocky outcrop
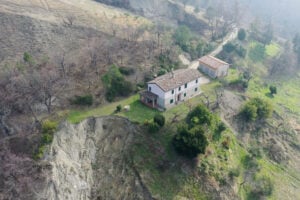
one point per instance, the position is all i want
(90, 161)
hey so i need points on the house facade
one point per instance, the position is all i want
(170, 89)
(213, 66)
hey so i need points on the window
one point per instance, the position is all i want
(196, 89)
(172, 91)
(196, 80)
(185, 85)
(184, 94)
(179, 88)
(149, 89)
(171, 101)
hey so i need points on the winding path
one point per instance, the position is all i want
(194, 64)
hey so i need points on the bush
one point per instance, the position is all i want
(229, 47)
(118, 108)
(40, 153)
(48, 127)
(159, 119)
(242, 34)
(115, 84)
(235, 172)
(256, 108)
(273, 89)
(263, 187)
(153, 127)
(161, 72)
(226, 143)
(264, 108)
(249, 162)
(249, 112)
(85, 100)
(190, 142)
(221, 127)
(47, 138)
(199, 116)
(241, 51)
(127, 70)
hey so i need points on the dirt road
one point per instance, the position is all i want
(194, 64)
(231, 36)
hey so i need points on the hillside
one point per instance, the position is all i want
(50, 28)
(72, 125)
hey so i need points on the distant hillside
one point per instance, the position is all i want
(51, 28)
(161, 11)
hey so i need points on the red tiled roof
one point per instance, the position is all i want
(212, 62)
(176, 78)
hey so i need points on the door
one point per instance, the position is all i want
(179, 97)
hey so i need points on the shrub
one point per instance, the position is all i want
(27, 57)
(190, 142)
(249, 112)
(115, 84)
(85, 100)
(221, 127)
(263, 187)
(235, 172)
(40, 153)
(273, 89)
(49, 127)
(199, 116)
(146, 122)
(229, 47)
(242, 34)
(264, 108)
(127, 70)
(118, 108)
(161, 72)
(256, 108)
(47, 138)
(249, 162)
(153, 127)
(159, 119)
(257, 53)
(241, 51)
(226, 143)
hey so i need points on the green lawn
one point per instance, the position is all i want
(272, 49)
(138, 111)
(76, 116)
(287, 97)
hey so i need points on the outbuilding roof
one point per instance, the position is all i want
(176, 78)
(212, 62)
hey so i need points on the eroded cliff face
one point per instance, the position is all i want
(90, 161)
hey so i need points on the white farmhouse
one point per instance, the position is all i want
(213, 67)
(170, 89)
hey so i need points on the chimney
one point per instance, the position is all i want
(172, 73)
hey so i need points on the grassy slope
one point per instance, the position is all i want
(286, 103)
